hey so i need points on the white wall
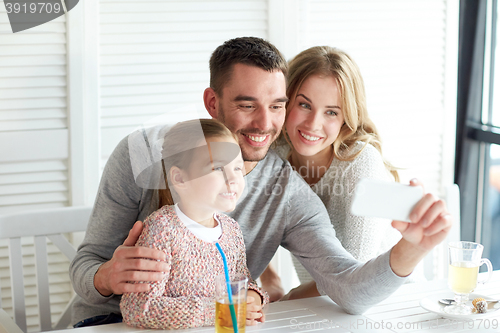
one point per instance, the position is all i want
(72, 88)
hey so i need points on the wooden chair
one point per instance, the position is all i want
(41, 224)
(7, 325)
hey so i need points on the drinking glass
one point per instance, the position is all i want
(239, 287)
(465, 259)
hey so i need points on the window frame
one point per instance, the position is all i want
(476, 64)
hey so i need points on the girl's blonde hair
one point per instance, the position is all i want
(178, 144)
(329, 61)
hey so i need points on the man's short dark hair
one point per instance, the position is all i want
(252, 51)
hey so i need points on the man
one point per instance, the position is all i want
(247, 94)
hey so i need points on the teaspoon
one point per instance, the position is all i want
(448, 301)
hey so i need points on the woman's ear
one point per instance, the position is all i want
(211, 99)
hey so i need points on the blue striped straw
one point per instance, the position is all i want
(229, 291)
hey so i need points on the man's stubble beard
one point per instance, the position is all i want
(247, 156)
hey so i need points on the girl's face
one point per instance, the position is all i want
(316, 116)
(221, 183)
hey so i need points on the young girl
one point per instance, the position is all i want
(205, 177)
(329, 138)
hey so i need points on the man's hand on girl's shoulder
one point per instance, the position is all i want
(130, 264)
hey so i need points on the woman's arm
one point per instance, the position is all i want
(271, 283)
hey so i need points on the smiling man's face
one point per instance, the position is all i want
(252, 106)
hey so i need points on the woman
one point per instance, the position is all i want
(330, 140)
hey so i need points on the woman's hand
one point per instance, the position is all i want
(254, 308)
(271, 283)
(305, 290)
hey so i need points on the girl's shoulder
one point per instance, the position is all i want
(164, 211)
(162, 217)
(158, 228)
(228, 223)
(226, 219)
(231, 230)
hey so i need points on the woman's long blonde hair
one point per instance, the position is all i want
(329, 61)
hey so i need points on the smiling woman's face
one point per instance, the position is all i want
(316, 116)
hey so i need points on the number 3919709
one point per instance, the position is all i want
(34, 7)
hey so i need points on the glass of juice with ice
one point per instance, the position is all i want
(223, 319)
(464, 261)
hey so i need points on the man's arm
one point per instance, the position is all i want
(351, 284)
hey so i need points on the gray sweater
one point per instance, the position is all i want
(278, 208)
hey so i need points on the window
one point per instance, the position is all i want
(491, 218)
(478, 126)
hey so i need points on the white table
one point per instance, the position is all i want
(403, 307)
(399, 313)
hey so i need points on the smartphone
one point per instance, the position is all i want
(383, 199)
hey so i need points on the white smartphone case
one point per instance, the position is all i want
(377, 198)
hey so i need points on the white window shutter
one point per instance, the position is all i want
(34, 146)
(33, 119)
(154, 56)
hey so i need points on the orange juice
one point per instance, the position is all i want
(223, 322)
(462, 277)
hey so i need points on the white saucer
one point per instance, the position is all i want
(431, 303)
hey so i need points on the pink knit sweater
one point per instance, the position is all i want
(185, 296)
